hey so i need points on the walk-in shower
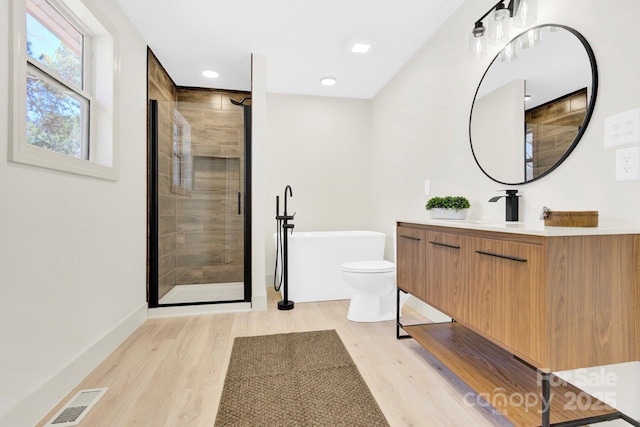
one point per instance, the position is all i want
(200, 198)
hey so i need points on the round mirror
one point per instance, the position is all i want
(533, 104)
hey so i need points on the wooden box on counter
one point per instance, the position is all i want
(572, 219)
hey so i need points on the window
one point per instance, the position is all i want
(57, 107)
(63, 89)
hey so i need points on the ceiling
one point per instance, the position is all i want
(302, 40)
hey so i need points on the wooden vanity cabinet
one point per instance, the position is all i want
(557, 302)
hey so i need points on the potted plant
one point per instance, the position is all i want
(450, 207)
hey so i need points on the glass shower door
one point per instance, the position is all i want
(198, 177)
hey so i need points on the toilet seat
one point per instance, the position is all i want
(368, 267)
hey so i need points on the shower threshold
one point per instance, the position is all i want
(211, 292)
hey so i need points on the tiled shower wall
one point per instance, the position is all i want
(210, 217)
(554, 127)
(200, 173)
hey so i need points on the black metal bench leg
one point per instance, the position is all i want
(546, 399)
(398, 324)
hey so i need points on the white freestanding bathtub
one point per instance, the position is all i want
(315, 259)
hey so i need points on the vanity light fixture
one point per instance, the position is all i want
(522, 13)
(499, 25)
(211, 74)
(526, 13)
(477, 42)
(328, 81)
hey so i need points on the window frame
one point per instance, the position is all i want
(100, 75)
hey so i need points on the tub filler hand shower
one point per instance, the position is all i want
(283, 226)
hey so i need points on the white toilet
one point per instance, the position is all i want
(374, 296)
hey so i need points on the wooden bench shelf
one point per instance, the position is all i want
(509, 386)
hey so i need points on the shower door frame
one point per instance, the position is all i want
(152, 146)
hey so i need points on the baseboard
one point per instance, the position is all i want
(198, 309)
(426, 310)
(34, 407)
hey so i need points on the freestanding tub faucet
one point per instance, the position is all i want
(282, 249)
(511, 204)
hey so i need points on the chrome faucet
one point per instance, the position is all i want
(511, 198)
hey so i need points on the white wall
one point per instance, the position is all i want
(258, 180)
(420, 123)
(72, 249)
(321, 147)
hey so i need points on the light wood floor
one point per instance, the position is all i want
(170, 372)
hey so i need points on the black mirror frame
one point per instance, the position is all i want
(587, 118)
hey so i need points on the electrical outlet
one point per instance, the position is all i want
(622, 128)
(628, 164)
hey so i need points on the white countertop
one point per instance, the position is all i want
(531, 228)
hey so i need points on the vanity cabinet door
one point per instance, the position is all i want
(410, 269)
(445, 273)
(507, 289)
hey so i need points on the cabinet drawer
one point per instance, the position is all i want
(507, 289)
(410, 269)
(445, 256)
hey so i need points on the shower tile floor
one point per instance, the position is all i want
(211, 292)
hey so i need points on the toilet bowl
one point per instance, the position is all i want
(374, 296)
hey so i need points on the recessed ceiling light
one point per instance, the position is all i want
(211, 74)
(328, 81)
(360, 48)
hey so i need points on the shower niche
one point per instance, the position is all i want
(215, 174)
(199, 194)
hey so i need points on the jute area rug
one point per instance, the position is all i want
(296, 379)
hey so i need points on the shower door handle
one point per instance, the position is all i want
(239, 203)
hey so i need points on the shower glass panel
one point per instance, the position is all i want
(199, 169)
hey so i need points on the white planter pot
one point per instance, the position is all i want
(437, 213)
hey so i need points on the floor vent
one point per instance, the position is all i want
(74, 411)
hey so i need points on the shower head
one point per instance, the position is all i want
(240, 103)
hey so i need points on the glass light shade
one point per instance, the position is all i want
(531, 38)
(509, 53)
(526, 13)
(499, 26)
(477, 43)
